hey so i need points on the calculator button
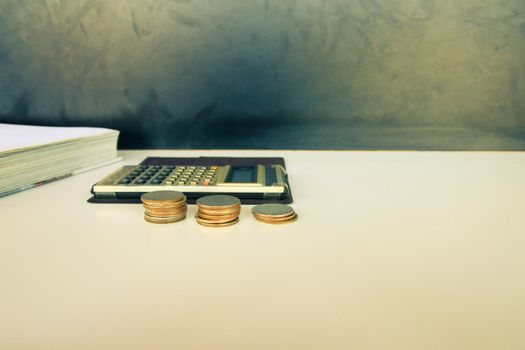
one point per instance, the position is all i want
(180, 183)
(169, 182)
(206, 183)
(124, 181)
(140, 182)
(193, 183)
(156, 181)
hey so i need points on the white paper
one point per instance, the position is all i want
(17, 137)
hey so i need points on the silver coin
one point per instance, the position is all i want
(162, 196)
(273, 210)
(218, 201)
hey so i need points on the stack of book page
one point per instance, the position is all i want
(34, 155)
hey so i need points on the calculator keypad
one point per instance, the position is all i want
(171, 175)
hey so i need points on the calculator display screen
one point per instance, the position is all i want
(242, 175)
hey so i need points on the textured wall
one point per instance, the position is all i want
(416, 74)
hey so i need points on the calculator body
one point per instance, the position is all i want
(254, 182)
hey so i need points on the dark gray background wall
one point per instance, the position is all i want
(357, 74)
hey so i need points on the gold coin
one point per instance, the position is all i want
(165, 206)
(273, 210)
(164, 216)
(216, 220)
(269, 217)
(278, 222)
(167, 211)
(161, 205)
(220, 212)
(213, 216)
(162, 197)
(155, 220)
(218, 225)
(218, 202)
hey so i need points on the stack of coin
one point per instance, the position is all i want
(218, 210)
(274, 213)
(164, 207)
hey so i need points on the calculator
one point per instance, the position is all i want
(267, 182)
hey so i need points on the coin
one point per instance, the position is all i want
(220, 212)
(176, 206)
(162, 197)
(161, 216)
(284, 218)
(169, 212)
(218, 202)
(216, 219)
(274, 213)
(272, 210)
(276, 218)
(219, 220)
(203, 223)
(165, 206)
(293, 218)
(165, 220)
(213, 216)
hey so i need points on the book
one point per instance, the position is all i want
(34, 155)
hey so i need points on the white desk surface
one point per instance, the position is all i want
(392, 251)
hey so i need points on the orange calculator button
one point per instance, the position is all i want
(214, 167)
